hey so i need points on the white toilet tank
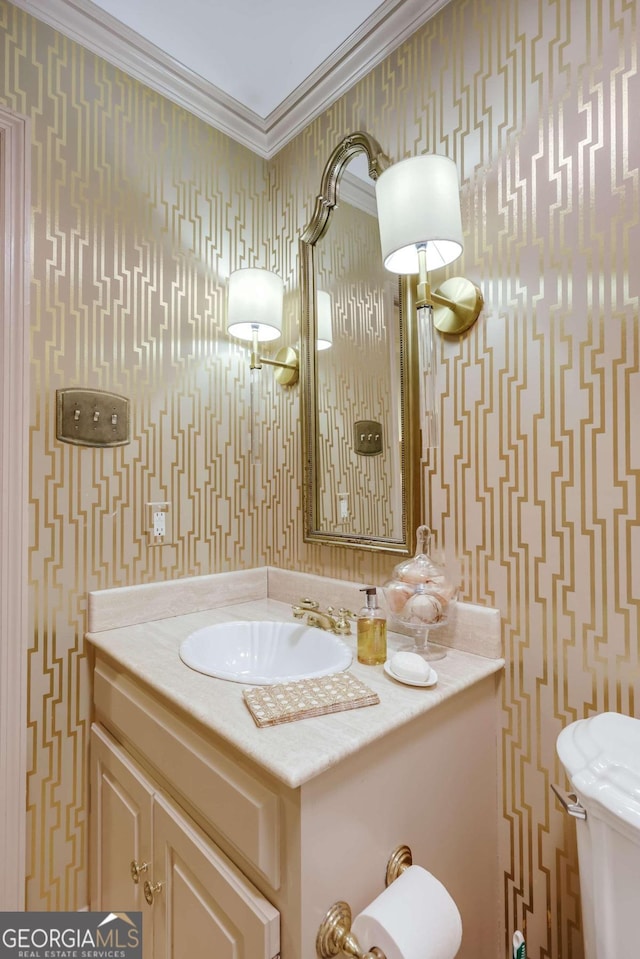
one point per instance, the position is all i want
(601, 756)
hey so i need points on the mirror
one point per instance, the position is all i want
(359, 402)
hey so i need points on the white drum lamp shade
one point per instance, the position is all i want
(255, 302)
(324, 332)
(419, 204)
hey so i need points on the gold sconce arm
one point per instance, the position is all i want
(456, 304)
(286, 362)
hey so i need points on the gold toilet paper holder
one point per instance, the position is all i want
(335, 936)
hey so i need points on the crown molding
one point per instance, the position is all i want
(393, 22)
(357, 193)
(87, 24)
(93, 28)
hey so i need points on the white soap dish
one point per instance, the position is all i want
(430, 681)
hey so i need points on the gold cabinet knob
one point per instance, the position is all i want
(151, 889)
(137, 868)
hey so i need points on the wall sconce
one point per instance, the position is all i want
(325, 330)
(254, 313)
(421, 230)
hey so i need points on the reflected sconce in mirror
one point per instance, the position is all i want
(254, 313)
(421, 230)
(325, 328)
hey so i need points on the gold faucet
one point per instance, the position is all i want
(338, 624)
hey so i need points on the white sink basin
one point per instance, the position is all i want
(261, 653)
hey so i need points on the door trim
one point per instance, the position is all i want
(15, 212)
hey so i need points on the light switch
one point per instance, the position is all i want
(367, 437)
(92, 418)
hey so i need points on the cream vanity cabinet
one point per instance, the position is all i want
(248, 863)
(149, 856)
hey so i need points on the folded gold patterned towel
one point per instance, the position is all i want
(286, 702)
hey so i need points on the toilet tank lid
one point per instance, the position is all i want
(602, 758)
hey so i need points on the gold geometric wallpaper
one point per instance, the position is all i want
(140, 213)
(536, 484)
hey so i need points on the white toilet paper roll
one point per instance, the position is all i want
(414, 918)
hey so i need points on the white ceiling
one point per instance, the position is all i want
(260, 70)
(257, 52)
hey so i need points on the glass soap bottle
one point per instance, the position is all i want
(372, 631)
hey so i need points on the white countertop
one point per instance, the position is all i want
(293, 752)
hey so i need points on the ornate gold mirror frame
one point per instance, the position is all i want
(404, 402)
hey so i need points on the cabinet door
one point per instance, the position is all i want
(120, 830)
(206, 906)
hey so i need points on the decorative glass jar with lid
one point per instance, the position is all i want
(421, 597)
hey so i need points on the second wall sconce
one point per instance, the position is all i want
(254, 313)
(421, 230)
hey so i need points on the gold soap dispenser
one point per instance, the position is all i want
(372, 631)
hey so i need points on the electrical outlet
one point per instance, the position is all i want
(159, 523)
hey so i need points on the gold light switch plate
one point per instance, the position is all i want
(367, 437)
(92, 418)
